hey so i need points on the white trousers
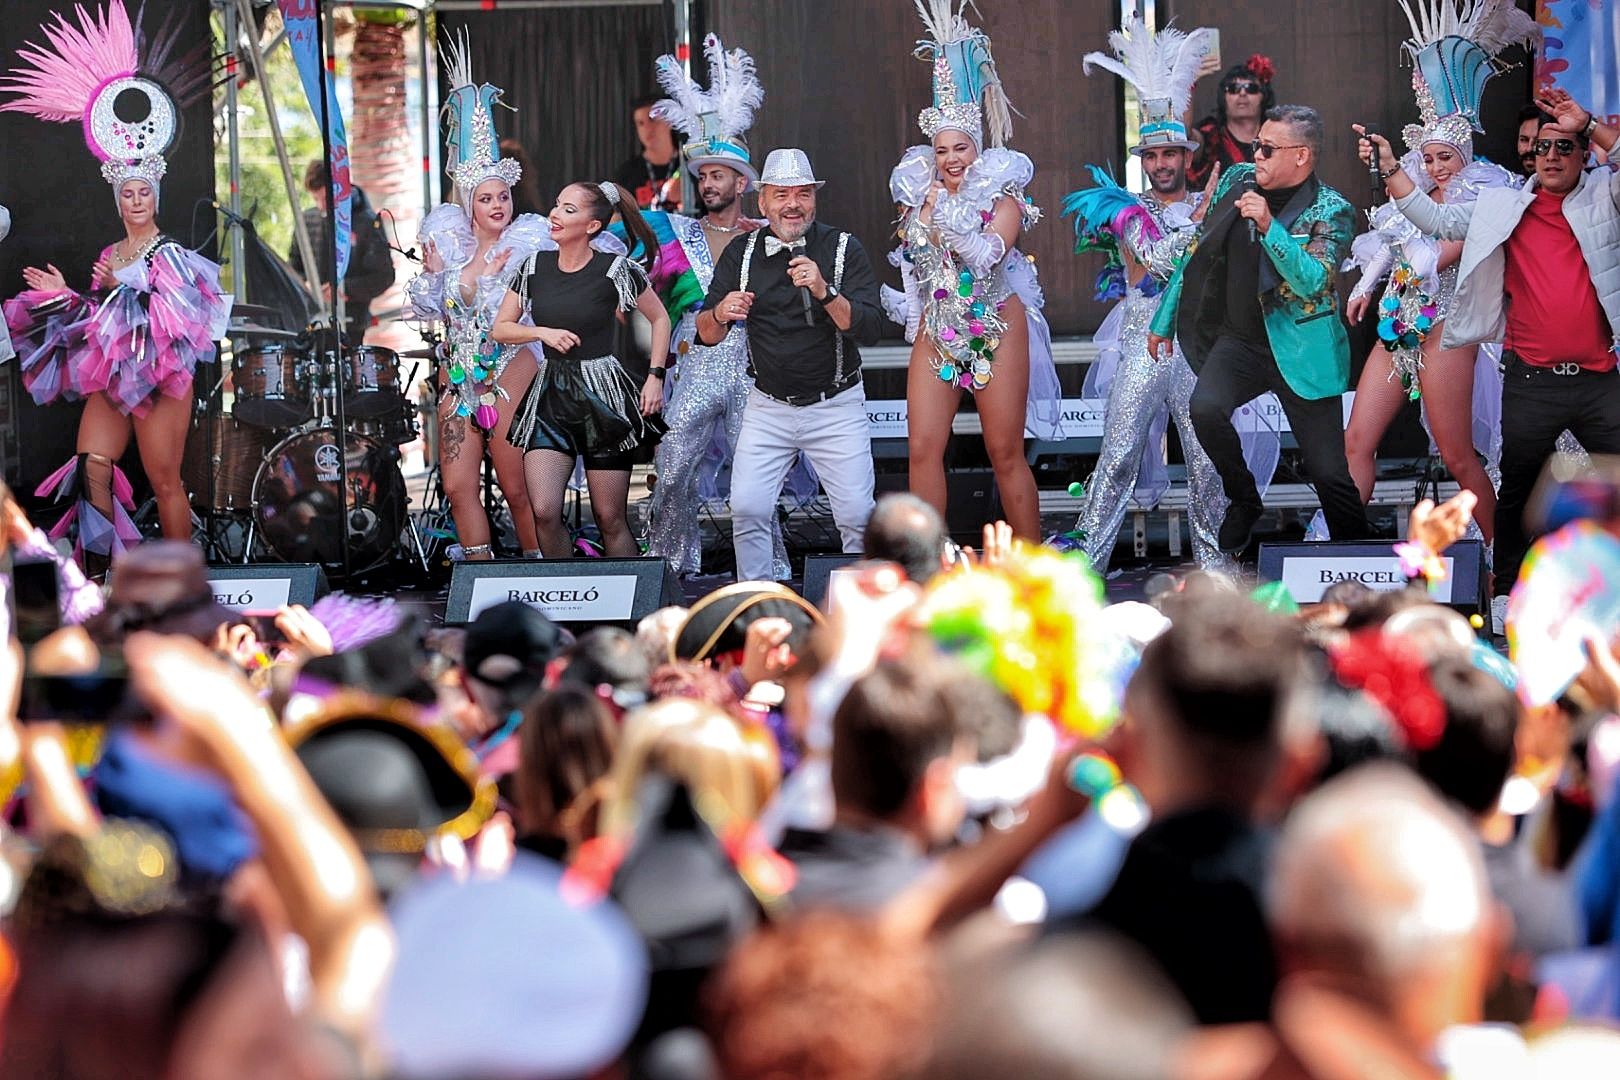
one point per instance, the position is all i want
(835, 436)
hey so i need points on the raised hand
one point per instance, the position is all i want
(49, 279)
(432, 261)
(1566, 112)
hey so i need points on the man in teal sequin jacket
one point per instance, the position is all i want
(1262, 314)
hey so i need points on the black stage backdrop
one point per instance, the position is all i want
(571, 74)
(62, 212)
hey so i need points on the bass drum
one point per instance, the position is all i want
(221, 460)
(300, 507)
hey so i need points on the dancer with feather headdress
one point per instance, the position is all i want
(129, 345)
(972, 302)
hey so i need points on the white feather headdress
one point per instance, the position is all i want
(1162, 67)
(716, 120)
(1453, 46)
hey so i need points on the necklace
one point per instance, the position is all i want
(723, 230)
(124, 260)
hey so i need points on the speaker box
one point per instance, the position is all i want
(971, 500)
(818, 572)
(621, 591)
(265, 586)
(1309, 569)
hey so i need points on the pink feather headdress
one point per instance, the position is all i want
(85, 73)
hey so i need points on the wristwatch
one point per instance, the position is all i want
(832, 294)
(658, 373)
(1591, 124)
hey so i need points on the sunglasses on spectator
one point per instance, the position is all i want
(1265, 151)
(1242, 88)
(1543, 147)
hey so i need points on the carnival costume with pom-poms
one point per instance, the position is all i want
(707, 387)
(958, 273)
(1143, 238)
(1452, 49)
(140, 335)
(473, 362)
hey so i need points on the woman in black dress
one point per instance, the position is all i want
(583, 403)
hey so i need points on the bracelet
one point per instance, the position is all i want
(657, 373)
(1384, 176)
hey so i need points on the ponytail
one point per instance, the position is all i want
(643, 242)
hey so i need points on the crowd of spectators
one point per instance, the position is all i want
(755, 839)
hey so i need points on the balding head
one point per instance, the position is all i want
(1376, 881)
(908, 531)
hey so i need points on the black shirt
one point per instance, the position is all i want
(788, 359)
(585, 302)
(652, 185)
(1244, 317)
(1189, 892)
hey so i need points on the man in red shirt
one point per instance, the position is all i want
(1540, 272)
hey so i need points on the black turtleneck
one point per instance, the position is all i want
(1244, 319)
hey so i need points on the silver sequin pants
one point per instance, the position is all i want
(1141, 386)
(708, 386)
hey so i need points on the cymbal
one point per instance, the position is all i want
(243, 310)
(237, 330)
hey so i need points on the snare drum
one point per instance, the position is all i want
(219, 464)
(371, 387)
(271, 388)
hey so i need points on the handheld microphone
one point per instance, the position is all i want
(1372, 165)
(1250, 189)
(804, 294)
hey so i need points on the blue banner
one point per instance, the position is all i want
(1582, 37)
(303, 29)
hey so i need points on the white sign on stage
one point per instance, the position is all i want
(597, 598)
(252, 594)
(1308, 577)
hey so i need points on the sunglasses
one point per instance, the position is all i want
(1265, 151)
(1242, 88)
(1543, 147)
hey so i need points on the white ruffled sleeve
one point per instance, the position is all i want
(910, 180)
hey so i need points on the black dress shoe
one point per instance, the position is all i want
(1238, 526)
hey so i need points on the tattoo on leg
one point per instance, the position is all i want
(452, 433)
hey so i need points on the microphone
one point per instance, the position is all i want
(804, 294)
(1372, 165)
(1250, 189)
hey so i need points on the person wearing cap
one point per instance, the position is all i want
(809, 297)
(162, 587)
(707, 387)
(503, 663)
(1143, 394)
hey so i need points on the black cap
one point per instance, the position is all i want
(719, 622)
(508, 647)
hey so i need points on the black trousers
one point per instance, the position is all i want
(1235, 373)
(1536, 407)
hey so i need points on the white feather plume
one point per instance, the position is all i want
(734, 87)
(457, 60)
(1493, 25)
(1161, 66)
(734, 91)
(944, 20)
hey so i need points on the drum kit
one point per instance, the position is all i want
(265, 452)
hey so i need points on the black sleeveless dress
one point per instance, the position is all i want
(583, 403)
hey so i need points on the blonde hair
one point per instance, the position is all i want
(727, 771)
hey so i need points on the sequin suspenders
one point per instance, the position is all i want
(837, 283)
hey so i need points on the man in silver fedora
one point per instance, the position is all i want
(809, 298)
